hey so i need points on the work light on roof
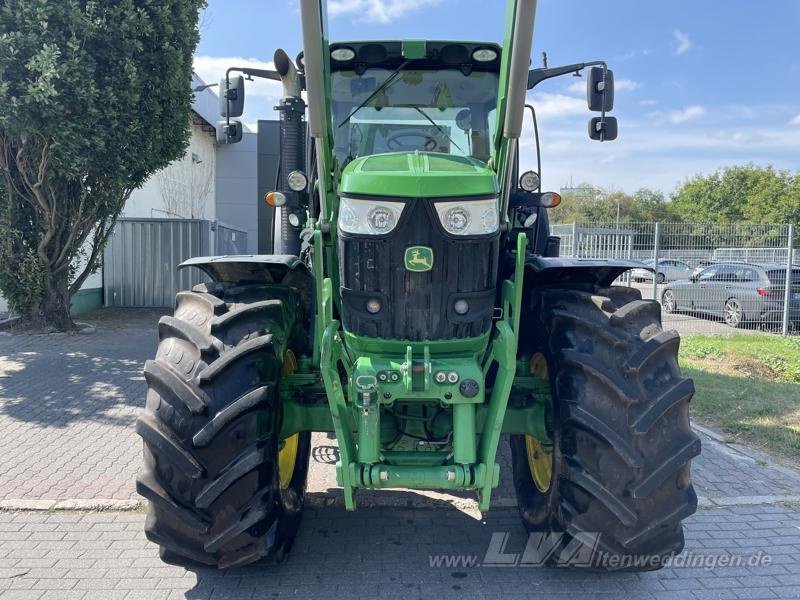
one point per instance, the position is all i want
(484, 55)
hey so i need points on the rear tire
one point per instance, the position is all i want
(211, 428)
(621, 439)
(732, 313)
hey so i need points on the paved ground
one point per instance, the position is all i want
(388, 553)
(686, 323)
(67, 407)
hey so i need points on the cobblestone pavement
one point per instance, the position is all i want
(67, 408)
(387, 553)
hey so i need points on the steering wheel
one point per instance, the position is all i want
(393, 140)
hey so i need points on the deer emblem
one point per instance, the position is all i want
(419, 258)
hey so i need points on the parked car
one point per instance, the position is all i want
(738, 293)
(701, 264)
(668, 270)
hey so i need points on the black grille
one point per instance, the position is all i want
(418, 306)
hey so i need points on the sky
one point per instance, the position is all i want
(700, 84)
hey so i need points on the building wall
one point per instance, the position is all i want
(237, 197)
(268, 161)
(183, 190)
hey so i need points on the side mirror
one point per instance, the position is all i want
(603, 131)
(600, 92)
(231, 99)
(229, 133)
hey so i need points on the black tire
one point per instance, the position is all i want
(211, 426)
(622, 444)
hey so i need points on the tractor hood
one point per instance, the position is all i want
(418, 175)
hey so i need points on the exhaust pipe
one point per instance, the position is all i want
(292, 110)
(290, 78)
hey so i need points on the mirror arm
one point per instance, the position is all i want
(536, 76)
(263, 73)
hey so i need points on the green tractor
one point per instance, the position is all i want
(415, 306)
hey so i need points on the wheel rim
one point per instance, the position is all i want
(669, 301)
(540, 462)
(733, 312)
(287, 456)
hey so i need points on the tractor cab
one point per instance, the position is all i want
(438, 97)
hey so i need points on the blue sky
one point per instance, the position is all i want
(700, 84)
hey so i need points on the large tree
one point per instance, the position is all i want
(94, 98)
(741, 193)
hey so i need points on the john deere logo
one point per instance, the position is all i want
(419, 259)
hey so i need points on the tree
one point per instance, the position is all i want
(186, 186)
(594, 205)
(94, 98)
(741, 193)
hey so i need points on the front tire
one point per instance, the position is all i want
(621, 440)
(211, 426)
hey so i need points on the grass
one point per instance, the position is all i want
(749, 386)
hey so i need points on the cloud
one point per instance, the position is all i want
(558, 105)
(648, 102)
(686, 114)
(377, 11)
(212, 68)
(795, 121)
(620, 85)
(682, 41)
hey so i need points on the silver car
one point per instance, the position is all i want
(738, 293)
(669, 269)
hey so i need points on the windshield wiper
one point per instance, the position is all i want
(442, 131)
(386, 83)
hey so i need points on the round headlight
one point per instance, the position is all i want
(348, 218)
(294, 220)
(381, 219)
(529, 181)
(343, 54)
(373, 306)
(489, 220)
(484, 55)
(456, 219)
(461, 307)
(297, 181)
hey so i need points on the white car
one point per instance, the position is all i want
(669, 269)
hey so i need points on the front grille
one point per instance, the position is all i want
(418, 306)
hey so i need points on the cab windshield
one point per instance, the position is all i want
(431, 110)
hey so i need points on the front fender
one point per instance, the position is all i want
(541, 270)
(256, 268)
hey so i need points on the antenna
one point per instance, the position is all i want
(544, 59)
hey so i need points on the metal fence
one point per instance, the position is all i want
(709, 277)
(141, 258)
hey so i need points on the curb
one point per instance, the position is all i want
(336, 501)
(76, 504)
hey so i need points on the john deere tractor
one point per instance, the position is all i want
(417, 307)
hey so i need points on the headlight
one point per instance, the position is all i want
(470, 217)
(297, 181)
(367, 217)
